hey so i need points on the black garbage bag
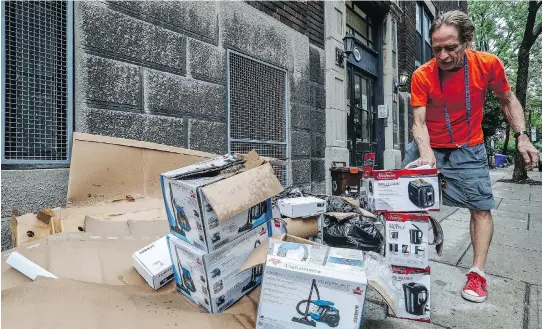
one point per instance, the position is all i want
(354, 233)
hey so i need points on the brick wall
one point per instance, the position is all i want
(306, 17)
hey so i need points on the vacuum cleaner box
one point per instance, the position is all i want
(407, 239)
(404, 190)
(213, 280)
(301, 207)
(213, 202)
(153, 263)
(415, 285)
(311, 285)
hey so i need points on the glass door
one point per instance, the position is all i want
(360, 103)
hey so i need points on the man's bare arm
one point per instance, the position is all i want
(421, 137)
(419, 130)
(513, 111)
(514, 114)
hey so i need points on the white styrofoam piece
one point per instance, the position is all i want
(27, 267)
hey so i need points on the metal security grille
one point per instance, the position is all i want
(257, 110)
(36, 95)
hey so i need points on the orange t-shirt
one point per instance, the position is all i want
(485, 70)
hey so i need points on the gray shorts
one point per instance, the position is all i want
(467, 173)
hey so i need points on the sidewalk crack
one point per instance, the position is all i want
(526, 306)
(464, 253)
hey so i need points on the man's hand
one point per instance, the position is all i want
(527, 151)
(425, 159)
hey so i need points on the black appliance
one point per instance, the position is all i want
(394, 235)
(416, 235)
(394, 247)
(256, 216)
(421, 193)
(416, 296)
(419, 250)
(257, 272)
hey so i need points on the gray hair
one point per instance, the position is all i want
(456, 18)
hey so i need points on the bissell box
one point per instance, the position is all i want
(405, 190)
(213, 281)
(407, 239)
(415, 293)
(207, 207)
(308, 285)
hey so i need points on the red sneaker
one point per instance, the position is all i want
(476, 288)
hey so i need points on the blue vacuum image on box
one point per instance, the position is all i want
(256, 217)
(321, 310)
(181, 221)
(187, 284)
(257, 272)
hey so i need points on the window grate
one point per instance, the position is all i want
(36, 103)
(257, 115)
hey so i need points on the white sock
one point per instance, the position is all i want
(476, 270)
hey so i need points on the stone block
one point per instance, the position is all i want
(301, 171)
(164, 130)
(106, 80)
(301, 143)
(6, 235)
(144, 127)
(115, 34)
(31, 190)
(335, 90)
(318, 170)
(318, 96)
(251, 31)
(318, 121)
(318, 145)
(335, 18)
(207, 62)
(503, 309)
(301, 116)
(197, 17)
(318, 187)
(317, 65)
(300, 91)
(207, 136)
(174, 95)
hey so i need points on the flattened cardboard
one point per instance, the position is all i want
(302, 227)
(233, 195)
(103, 168)
(90, 305)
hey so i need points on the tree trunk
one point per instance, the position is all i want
(520, 173)
(506, 140)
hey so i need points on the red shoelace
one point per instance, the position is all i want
(475, 280)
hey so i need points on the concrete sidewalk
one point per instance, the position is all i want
(514, 266)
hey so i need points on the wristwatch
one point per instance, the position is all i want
(521, 132)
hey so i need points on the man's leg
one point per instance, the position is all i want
(481, 232)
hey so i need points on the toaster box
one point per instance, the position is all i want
(309, 285)
(415, 296)
(407, 239)
(402, 190)
(213, 202)
(214, 281)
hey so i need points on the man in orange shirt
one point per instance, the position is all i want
(447, 99)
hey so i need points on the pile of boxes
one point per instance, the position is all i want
(219, 211)
(404, 198)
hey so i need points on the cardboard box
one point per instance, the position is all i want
(333, 279)
(208, 209)
(407, 239)
(405, 190)
(415, 301)
(301, 207)
(153, 263)
(214, 281)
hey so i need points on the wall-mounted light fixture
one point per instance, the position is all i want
(341, 54)
(403, 78)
